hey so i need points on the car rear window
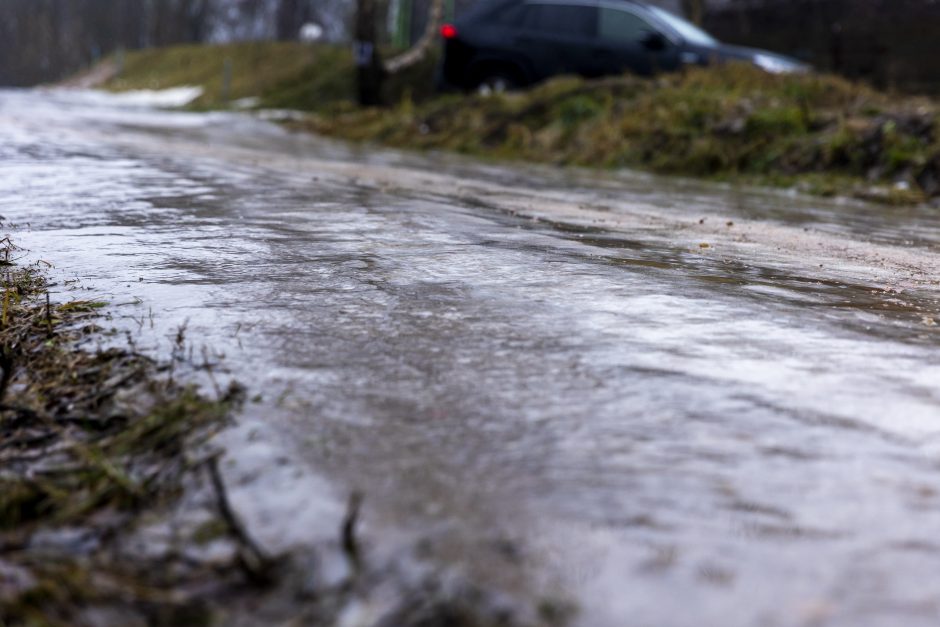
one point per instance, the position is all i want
(560, 19)
(622, 26)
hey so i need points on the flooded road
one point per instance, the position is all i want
(677, 404)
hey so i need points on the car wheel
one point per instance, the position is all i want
(497, 83)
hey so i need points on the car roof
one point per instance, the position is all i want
(493, 4)
(486, 8)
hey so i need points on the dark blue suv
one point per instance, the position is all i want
(502, 44)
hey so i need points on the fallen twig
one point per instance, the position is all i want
(348, 538)
(256, 565)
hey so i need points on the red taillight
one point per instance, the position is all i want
(448, 31)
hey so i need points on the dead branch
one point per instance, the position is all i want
(424, 45)
(256, 565)
(348, 536)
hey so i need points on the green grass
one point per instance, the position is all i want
(282, 75)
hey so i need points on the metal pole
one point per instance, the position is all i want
(119, 61)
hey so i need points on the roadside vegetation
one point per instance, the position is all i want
(816, 133)
(94, 442)
(819, 134)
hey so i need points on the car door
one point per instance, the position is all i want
(557, 37)
(628, 42)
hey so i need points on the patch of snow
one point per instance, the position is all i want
(281, 115)
(163, 98)
(311, 32)
(246, 103)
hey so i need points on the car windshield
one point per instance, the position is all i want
(688, 31)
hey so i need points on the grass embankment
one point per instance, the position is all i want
(281, 75)
(821, 134)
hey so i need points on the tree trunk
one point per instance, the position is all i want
(370, 72)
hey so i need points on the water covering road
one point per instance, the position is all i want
(678, 404)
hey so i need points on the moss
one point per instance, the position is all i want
(903, 152)
(327, 81)
(578, 109)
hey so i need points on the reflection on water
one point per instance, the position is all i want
(683, 437)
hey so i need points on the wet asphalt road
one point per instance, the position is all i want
(677, 404)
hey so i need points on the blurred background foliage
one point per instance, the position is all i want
(891, 44)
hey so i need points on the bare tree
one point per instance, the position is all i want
(371, 70)
(424, 45)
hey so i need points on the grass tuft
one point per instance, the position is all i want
(91, 442)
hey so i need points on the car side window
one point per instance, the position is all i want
(622, 26)
(560, 19)
(513, 16)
